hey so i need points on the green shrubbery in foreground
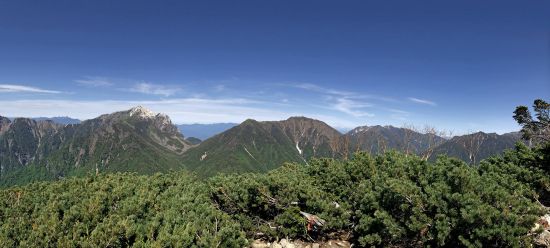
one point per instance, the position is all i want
(386, 200)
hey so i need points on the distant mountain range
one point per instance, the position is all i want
(262, 146)
(477, 146)
(64, 120)
(138, 140)
(204, 131)
(61, 120)
(376, 139)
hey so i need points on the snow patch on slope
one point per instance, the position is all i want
(361, 129)
(249, 153)
(298, 148)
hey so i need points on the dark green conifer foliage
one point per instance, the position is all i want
(537, 130)
(391, 199)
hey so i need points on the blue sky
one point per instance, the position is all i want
(456, 65)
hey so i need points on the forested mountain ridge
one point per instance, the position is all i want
(376, 139)
(24, 141)
(312, 138)
(256, 146)
(64, 120)
(475, 147)
(133, 140)
(138, 140)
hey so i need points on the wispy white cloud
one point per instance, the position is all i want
(350, 103)
(422, 101)
(341, 93)
(319, 89)
(25, 89)
(154, 89)
(398, 111)
(352, 107)
(94, 82)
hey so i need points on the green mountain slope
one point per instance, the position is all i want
(256, 146)
(138, 140)
(193, 140)
(311, 138)
(244, 148)
(475, 147)
(376, 139)
(23, 142)
(135, 140)
(261, 146)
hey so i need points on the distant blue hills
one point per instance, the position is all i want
(65, 120)
(204, 131)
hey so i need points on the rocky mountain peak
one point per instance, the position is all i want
(161, 121)
(142, 112)
(4, 119)
(4, 124)
(359, 130)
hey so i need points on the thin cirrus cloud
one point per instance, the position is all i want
(154, 89)
(319, 89)
(94, 82)
(422, 101)
(342, 101)
(348, 94)
(352, 107)
(138, 86)
(14, 88)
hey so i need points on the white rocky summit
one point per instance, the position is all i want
(142, 112)
(161, 121)
(361, 129)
